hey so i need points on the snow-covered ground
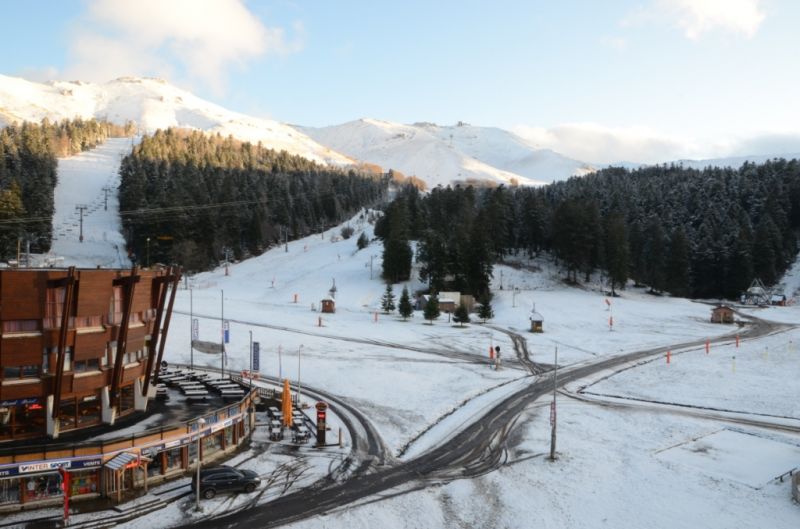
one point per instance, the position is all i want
(618, 466)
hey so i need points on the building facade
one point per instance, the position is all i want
(79, 347)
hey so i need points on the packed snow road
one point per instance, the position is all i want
(475, 450)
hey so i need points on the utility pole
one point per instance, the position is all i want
(370, 265)
(222, 328)
(106, 189)
(191, 331)
(81, 208)
(553, 411)
(251, 360)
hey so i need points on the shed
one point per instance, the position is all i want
(778, 300)
(536, 322)
(449, 301)
(328, 305)
(722, 314)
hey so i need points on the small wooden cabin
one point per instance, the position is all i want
(722, 314)
(537, 322)
(328, 305)
(449, 301)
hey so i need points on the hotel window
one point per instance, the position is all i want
(54, 304)
(92, 364)
(12, 326)
(84, 322)
(17, 372)
(115, 314)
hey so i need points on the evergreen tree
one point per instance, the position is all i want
(678, 265)
(485, 311)
(362, 241)
(616, 252)
(431, 311)
(404, 307)
(387, 301)
(461, 315)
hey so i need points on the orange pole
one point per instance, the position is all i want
(708, 345)
(320, 321)
(295, 298)
(737, 340)
(375, 317)
(669, 353)
(491, 353)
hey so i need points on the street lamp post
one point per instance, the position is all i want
(299, 349)
(200, 423)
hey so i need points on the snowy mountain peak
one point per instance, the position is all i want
(152, 104)
(443, 154)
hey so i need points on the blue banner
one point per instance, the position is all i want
(256, 357)
(226, 326)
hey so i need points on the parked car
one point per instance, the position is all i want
(225, 479)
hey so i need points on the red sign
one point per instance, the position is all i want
(65, 488)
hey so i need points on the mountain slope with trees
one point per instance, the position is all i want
(28, 177)
(702, 233)
(203, 197)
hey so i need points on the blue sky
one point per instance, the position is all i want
(701, 77)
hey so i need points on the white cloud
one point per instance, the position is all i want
(696, 17)
(597, 144)
(197, 40)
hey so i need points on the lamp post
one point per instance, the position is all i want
(299, 349)
(148, 252)
(200, 423)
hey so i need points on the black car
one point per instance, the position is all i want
(225, 479)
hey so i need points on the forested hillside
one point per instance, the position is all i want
(701, 233)
(28, 164)
(195, 196)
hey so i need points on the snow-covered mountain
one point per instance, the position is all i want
(152, 104)
(444, 154)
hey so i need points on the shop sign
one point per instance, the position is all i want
(46, 466)
(43, 467)
(172, 444)
(18, 402)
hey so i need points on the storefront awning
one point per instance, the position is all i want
(121, 461)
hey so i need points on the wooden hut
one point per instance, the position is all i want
(722, 314)
(537, 322)
(328, 305)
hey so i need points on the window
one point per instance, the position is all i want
(67, 358)
(45, 361)
(68, 419)
(12, 326)
(81, 366)
(20, 372)
(88, 410)
(115, 312)
(84, 322)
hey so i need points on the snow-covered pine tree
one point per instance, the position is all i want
(404, 306)
(387, 301)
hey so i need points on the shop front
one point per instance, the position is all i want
(40, 481)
